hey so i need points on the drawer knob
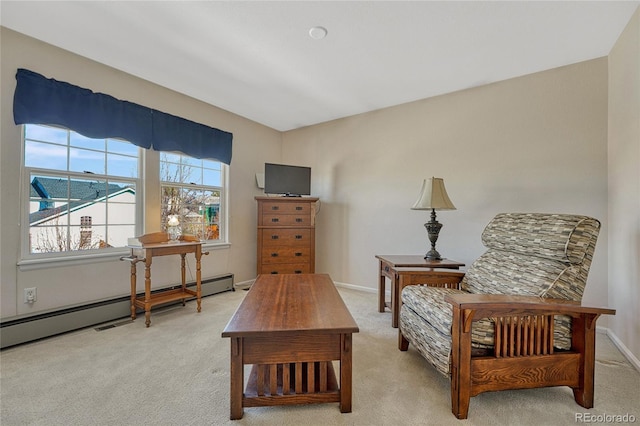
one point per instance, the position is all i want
(274, 237)
(275, 207)
(274, 272)
(275, 219)
(298, 254)
(297, 272)
(298, 219)
(274, 254)
(298, 208)
(298, 237)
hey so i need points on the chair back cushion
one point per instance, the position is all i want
(562, 237)
(535, 254)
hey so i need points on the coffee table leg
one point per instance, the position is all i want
(345, 373)
(236, 379)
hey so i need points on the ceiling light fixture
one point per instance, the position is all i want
(318, 33)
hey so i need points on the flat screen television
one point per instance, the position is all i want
(291, 181)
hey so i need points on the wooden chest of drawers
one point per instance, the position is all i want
(286, 235)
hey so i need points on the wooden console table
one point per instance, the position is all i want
(396, 267)
(290, 327)
(158, 244)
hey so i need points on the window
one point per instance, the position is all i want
(193, 190)
(84, 196)
(82, 192)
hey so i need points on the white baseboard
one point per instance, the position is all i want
(249, 283)
(244, 284)
(622, 348)
(357, 287)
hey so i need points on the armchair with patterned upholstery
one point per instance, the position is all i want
(515, 319)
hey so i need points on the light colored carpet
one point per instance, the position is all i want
(177, 373)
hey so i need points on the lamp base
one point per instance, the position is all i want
(174, 233)
(433, 229)
(433, 255)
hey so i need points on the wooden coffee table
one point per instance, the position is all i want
(290, 327)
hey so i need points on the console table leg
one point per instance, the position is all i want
(147, 291)
(199, 277)
(183, 274)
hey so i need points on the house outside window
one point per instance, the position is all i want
(82, 192)
(193, 190)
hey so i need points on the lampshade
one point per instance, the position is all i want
(433, 195)
(173, 220)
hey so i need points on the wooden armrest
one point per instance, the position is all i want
(488, 305)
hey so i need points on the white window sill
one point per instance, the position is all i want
(84, 259)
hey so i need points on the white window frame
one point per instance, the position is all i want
(148, 199)
(43, 260)
(223, 214)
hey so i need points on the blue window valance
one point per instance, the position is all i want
(41, 100)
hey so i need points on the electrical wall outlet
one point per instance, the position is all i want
(30, 295)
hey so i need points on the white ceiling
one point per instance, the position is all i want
(257, 60)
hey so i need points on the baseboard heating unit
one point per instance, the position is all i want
(36, 327)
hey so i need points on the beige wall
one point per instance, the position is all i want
(533, 144)
(624, 186)
(66, 286)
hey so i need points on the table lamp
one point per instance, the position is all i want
(173, 228)
(433, 196)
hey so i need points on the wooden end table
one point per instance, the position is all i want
(389, 267)
(290, 327)
(158, 244)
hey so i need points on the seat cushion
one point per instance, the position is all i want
(435, 314)
(428, 304)
(425, 321)
(428, 341)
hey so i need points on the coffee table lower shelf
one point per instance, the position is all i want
(291, 383)
(291, 328)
